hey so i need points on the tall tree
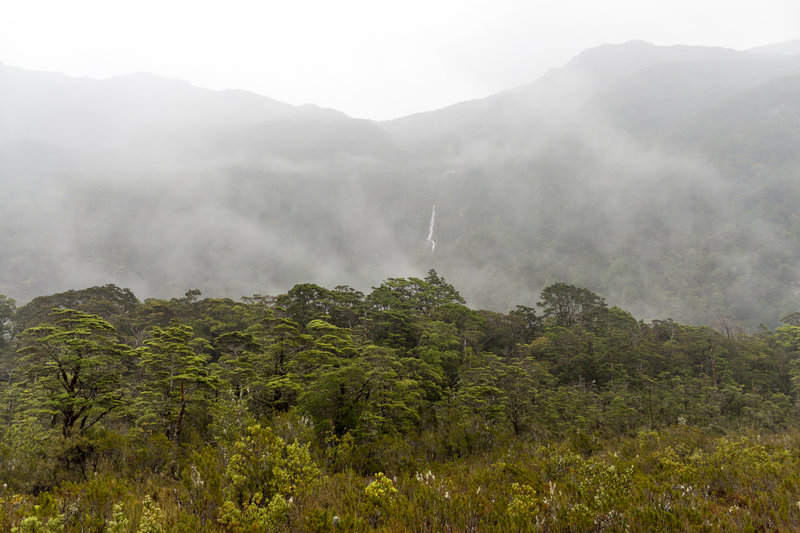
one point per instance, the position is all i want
(567, 305)
(175, 379)
(77, 362)
(112, 303)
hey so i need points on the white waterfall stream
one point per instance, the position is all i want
(430, 230)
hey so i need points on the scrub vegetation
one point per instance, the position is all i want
(402, 409)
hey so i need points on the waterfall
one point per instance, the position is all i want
(430, 230)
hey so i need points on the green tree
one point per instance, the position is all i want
(175, 379)
(278, 374)
(420, 295)
(7, 309)
(238, 353)
(76, 361)
(114, 304)
(567, 305)
(265, 474)
(306, 301)
(397, 308)
(523, 382)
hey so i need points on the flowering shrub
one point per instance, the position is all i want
(265, 475)
(381, 492)
(524, 505)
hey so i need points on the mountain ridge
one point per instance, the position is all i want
(606, 176)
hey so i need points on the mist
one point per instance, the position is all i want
(663, 178)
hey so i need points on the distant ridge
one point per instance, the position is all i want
(664, 177)
(785, 48)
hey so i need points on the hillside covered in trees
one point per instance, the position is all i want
(327, 409)
(664, 177)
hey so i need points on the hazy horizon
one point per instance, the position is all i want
(368, 61)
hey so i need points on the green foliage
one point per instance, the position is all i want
(176, 381)
(118, 523)
(24, 453)
(396, 306)
(524, 505)
(114, 304)
(567, 305)
(380, 495)
(7, 312)
(33, 524)
(247, 416)
(153, 519)
(266, 476)
(381, 492)
(77, 362)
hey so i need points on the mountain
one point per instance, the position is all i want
(785, 48)
(664, 178)
(142, 180)
(643, 172)
(634, 81)
(90, 115)
(138, 112)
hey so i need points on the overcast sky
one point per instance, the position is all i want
(369, 58)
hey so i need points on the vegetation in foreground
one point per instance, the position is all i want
(326, 410)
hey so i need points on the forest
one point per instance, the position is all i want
(327, 409)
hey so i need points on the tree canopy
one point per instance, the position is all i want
(244, 407)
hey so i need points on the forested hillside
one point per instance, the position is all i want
(326, 409)
(663, 177)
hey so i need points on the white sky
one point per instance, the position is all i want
(369, 58)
